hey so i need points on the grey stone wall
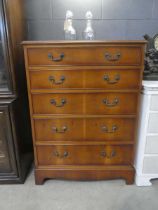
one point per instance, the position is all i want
(113, 19)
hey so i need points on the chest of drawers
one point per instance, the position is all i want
(84, 99)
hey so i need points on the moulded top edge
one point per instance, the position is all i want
(150, 85)
(84, 42)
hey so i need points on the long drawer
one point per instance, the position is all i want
(83, 155)
(89, 55)
(81, 103)
(108, 79)
(150, 165)
(87, 129)
(153, 123)
(151, 146)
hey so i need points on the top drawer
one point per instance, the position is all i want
(85, 55)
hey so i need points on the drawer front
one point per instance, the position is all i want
(154, 103)
(89, 55)
(108, 79)
(150, 165)
(84, 155)
(151, 145)
(153, 123)
(91, 103)
(89, 129)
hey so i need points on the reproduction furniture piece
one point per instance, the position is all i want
(15, 131)
(147, 151)
(84, 101)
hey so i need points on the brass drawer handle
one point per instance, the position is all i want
(115, 57)
(52, 79)
(57, 130)
(60, 58)
(62, 156)
(105, 155)
(112, 104)
(109, 81)
(62, 103)
(106, 130)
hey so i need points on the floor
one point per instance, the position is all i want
(70, 195)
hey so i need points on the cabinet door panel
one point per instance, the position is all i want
(5, 85)
(7, 157)
(4, 156)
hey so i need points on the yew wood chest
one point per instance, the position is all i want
(84, 103)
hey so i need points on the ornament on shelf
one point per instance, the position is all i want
(151, 59)
(70, 32)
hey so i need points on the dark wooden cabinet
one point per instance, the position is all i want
(84, 100)
(15, 134)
